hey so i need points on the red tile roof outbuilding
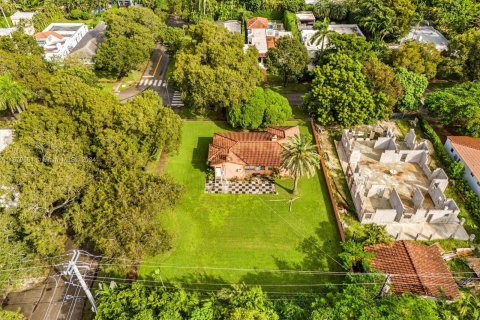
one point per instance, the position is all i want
(415, 268)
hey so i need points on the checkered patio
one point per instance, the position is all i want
(258, 186)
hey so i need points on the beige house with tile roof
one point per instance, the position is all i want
(239, 154)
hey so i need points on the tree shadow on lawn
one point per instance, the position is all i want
(200, 153)
(199, 280)
(282, 184)
(317, 256)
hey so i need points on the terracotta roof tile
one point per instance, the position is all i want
(257, 23)
(43, 35)
(413, 266)
(468, 149)
(259, 148)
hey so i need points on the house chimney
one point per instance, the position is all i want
(274, 137)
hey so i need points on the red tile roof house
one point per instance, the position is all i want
(415, 268)
(239, 154)
(466, 150)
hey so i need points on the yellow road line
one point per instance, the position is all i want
(158, 63)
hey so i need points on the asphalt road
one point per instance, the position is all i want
(153, 78)
(58, 298)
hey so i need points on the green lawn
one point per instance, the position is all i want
(244, 231)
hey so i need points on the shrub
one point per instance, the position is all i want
(85, 15)
(75, 14)
(263, 108)
(290, 23)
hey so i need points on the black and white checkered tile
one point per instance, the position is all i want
(240, 187)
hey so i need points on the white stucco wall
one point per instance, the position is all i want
(473, 181)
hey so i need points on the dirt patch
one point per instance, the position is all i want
(162, 162)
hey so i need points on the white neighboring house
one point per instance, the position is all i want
(6, 201)
(7, 31)
(25, 18)
(6, 138)
(426, 34)
(316, 45)
(466, 150)
(59, 39)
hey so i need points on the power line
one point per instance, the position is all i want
(306, 272)
(31, 267)
(36, 259)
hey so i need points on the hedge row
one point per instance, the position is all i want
(461, 186)
(290, 23)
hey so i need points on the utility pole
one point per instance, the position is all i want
(73, 269)
(384, 289)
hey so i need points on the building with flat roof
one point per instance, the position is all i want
(313, 45)
(305, 20)
(59, 39)
(426, 34)
(392, 184)
(233, 26)
(24, 19)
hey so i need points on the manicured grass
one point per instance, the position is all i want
(244, 231)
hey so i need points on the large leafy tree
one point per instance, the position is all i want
(357, 48)
(458, 106)
(421, 58)
(385, 18)
(414, 86)
(21, 43)
(12, 95)
(464, 50)
(381, 78)
(214, 71)
(29, 71)
(300, 159)
(377, 19)
(129, 40)
(333, 10)
(263, 108)
(83, 149)
(118, 213)
(288, 59)
(340, 94)
(456, 16)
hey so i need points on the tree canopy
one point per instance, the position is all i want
(213, 71)
(129, 40)
(414, 86)
(77, 164)
(288, 59)
(464, 50)
(418, 57)
(340, 94)
(458, 106)
(263, 108)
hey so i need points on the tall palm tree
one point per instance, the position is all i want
(321, 35)
(12, 95)
(299, 158)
